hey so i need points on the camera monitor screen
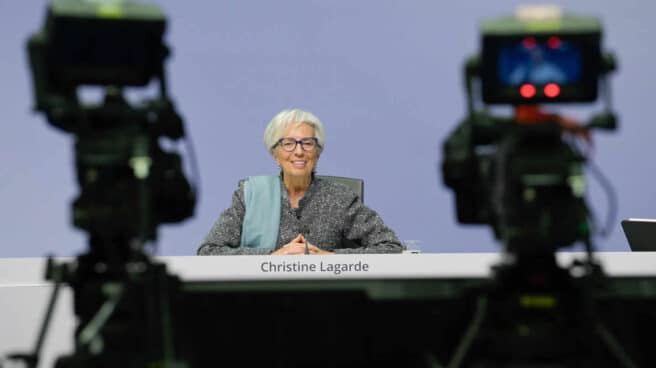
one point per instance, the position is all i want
(546, 68)
(85, 44)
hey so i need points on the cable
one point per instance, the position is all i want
(193, 164)
(607, 186)
(470, 334)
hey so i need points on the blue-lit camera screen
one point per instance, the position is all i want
(539, 62)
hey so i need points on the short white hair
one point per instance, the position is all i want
(285, 119)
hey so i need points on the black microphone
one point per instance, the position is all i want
(302, 229)
(305, 231)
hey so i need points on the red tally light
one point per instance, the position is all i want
(527, 90)
(529, 43)
(551, 90)
(554, 42)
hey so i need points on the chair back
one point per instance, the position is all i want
(356, 185)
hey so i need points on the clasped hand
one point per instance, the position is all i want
(298, 245)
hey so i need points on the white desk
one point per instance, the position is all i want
(24, 292)
(30, 271)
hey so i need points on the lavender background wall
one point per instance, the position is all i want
(383, 75)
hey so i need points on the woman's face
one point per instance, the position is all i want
(299, 162)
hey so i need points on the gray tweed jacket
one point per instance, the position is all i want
(328, 215)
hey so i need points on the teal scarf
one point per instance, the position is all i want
(262, 218)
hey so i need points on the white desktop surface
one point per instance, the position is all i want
(24, 292)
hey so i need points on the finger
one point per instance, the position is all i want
(294, 242)
(291, 248)
(312, 246)
(314, 249)
(296, 249)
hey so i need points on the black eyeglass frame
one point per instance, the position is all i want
(297, 142)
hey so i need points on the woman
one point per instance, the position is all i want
(296, 213)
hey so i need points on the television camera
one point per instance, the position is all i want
(128, 183)
(523, 175)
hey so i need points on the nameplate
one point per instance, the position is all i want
(330, 266)
(381, 266)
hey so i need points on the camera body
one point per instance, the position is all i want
(521, 174)
(129, 184)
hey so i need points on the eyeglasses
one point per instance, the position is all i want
(289, 144)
